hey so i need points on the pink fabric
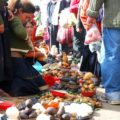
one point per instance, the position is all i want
(65, 35)
(74, 6)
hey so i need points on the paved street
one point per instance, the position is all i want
(107, 112)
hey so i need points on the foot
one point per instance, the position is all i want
(4, 94)
(111, 98)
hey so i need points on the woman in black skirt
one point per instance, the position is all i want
(26, 80)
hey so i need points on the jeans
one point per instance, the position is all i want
(110, 67)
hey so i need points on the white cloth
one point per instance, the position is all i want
(56, 13)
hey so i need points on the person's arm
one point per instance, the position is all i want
(94, 6)
(84, 4)
(1, 25)
(79, 23)
(18, 28)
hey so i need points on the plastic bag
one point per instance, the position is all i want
(92, 35)
(65, 35)
(95, 46)
(37, 35)
(67, 19)
(39, 31)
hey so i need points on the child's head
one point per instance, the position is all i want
(29, 25)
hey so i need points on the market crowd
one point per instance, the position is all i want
(29, 34)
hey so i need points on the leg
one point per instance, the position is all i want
(111, 63)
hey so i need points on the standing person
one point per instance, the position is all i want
(5, 60)
(1, 45)
(79, 31)
(1, 25)
(54, 7)
(90, 56)
(26, 80)
(111, 44)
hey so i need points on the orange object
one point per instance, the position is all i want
(51, 104)
(83, 15)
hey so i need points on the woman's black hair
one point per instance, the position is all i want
(27, 7)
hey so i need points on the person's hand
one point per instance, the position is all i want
(1, 28)
(34, 54)
(11, 15)
(79, 30)
(90, 21)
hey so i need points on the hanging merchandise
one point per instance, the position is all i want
(92, 35)
(38, 35)
(67, 19)
(65, 35)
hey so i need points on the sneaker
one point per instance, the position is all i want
(114, 102)
(104, 99)
(113, 98)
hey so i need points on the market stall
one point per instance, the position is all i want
(71, 95)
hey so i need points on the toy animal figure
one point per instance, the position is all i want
(64, 57)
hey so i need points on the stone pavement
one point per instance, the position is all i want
(107, 112)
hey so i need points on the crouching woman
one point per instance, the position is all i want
(26, 80)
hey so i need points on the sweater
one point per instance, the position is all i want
(18, 36)
(111, 12)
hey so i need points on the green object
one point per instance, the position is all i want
(18, 36)
(111, 12)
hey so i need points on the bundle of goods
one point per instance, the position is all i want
(87, 85)
(73, 81)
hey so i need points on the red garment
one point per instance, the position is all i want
(34, 38)
(74, 6)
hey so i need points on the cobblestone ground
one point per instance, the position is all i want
(107, 112)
